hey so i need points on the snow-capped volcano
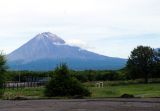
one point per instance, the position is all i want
(49, 37)
(46, 50)
(41, 46)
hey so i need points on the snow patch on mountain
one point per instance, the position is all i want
(51, 37)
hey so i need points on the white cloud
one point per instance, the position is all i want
(80, 43)
(83, 22)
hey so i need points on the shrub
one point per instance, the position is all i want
(2, 72)
(1, 85)
(127, 96)
(62, 84)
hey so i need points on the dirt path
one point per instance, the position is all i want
(82, 105)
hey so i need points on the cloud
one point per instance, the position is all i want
(80, 43)
(96, 25)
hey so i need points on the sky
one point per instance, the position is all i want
(108, 27)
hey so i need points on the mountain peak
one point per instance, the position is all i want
(46, 50)
(51, 37)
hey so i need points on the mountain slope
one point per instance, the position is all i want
(158, 49)
(46, 50)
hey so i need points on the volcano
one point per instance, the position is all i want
(46, 50)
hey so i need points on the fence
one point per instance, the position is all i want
(23, 84)
(31, 82)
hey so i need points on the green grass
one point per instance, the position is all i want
(24, 92)
(138, 90)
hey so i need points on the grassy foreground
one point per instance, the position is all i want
(138, 90)
(26, 92)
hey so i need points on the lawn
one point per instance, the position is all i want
(138, 90)
(36, 92)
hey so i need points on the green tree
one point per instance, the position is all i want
(156, 70)
(63, 84)
(141, 62)
(2, 72)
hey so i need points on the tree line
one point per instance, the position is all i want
(143, 63)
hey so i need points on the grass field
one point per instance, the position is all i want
(26, 92)
(138, 90)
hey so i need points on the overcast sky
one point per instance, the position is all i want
(108, 27)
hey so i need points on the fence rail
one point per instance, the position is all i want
(23, 84)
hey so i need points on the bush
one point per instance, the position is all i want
(2, 72)
(127, 96)
(62, 84)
